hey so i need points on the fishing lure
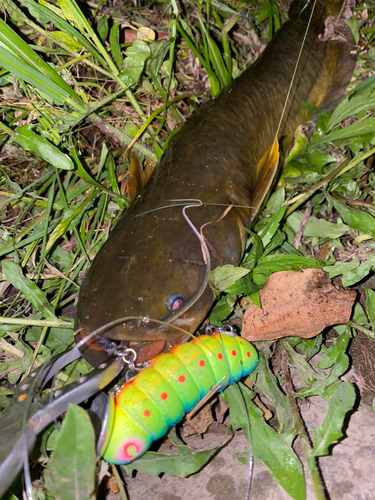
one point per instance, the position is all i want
(174, 383)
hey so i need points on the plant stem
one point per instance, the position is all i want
(34, 322)
(363, 329)
(120, 485)
(301, 198)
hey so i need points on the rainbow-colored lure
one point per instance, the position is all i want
(174, 383)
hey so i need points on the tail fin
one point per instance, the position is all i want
(336, 41)
(323, 70)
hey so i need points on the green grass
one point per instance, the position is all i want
(74, 97)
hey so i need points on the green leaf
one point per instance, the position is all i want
(71, 469)
(159, 51)
(341, 268)
(42, 13)
(111, 168)
(81, 172)
(281, 262)
(218, 62)
(330, 430)
(102, 28)
(319, 228)
(70, 215)
(256, 251)
(220, 312)
(361, 221)
(354, 131)
(29, 75)
(28, 65)
(37, 144)
(246, 286)
(319, 387)
(339, 346)
(15, 13)
(29, 289)
(114, 41)
(267, 445)
(185, 463)
(272, 226)
(224, 276)
(267, 383)
(370, 307)
(72, 13)
(134, 63)
(305, 370)
(361, 99)
(276, 200)
(65, 40)
(300, 144)
(359, 273)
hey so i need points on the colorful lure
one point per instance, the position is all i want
(174, 383)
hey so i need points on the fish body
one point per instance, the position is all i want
(224, 155)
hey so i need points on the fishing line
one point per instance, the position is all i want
(184, 204)
(295, 69)
(206, 256)
(145, 320)
(174, 315)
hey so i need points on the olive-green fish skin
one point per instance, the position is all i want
(153, 254)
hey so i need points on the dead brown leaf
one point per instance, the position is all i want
(130, 35)
(199, 423)
(297, 304)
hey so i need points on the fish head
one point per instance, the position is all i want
(150, 268)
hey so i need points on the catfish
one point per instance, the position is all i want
(210, 185)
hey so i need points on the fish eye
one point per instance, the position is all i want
(175, 302)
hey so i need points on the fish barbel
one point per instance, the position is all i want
(226, 154)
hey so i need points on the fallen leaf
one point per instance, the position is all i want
(199, 423)
(130, 35)
(297, 304)
(112, 485)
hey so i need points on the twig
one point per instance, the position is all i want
(301, 228)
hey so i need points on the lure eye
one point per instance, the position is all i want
(175, 302)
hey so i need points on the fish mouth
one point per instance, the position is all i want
(144, 328)
(146, 337)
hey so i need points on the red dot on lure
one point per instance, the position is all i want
(164, 395)
(202, 363)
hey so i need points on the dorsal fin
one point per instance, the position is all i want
(137, 178)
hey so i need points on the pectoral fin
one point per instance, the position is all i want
(266, 171)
